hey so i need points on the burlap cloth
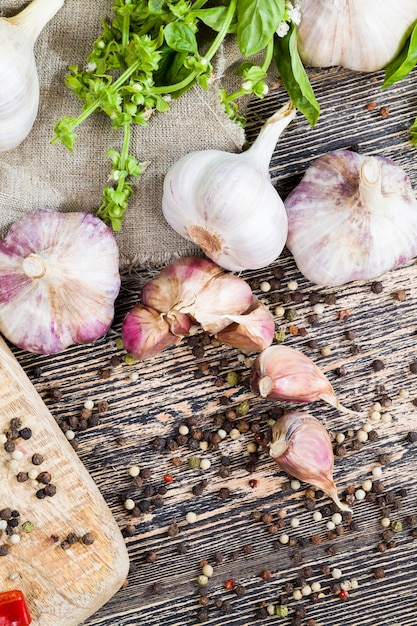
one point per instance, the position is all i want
(37, 174)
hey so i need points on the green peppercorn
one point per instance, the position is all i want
(290, 315)
(233, 378)
(243, 407)
(397, 526)
(281, 610)
(129, 359)
(279, 336)
(28, 526)
(194, 462)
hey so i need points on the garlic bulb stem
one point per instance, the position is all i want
(265, 143)
(33, 19)
(370, 182)
(34, 266)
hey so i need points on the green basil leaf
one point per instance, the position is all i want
(402, 65)
(294, 77)
(180, 37)
(214, 18)
(257, 22)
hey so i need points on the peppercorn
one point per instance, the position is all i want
(379, 573)
(377, 365)
(412, 436)
(377, 287)
(266, 574)
(224, 493)
(37, 459)
(4, 550)
(239, 590)
(87, 539)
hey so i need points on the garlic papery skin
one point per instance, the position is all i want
(253, 331)
(283, 373)
(351, 217)
(301, 446)
(19, 95)
(145, 333)
(226, 202)
(59, 278)
(362, 35)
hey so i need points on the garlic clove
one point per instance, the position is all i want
(301, 446)
(19, 102)
(59, 278)
(224, 296)
(283, 373)
(251, 331)
(350, 218)
(356, 34)
(146, 332)
(178, 284)
(226, 203)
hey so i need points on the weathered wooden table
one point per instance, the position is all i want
(240, 500)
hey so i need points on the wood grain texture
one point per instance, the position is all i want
(177, 385)
(62, 587)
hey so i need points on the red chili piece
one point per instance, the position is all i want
(259, 437)
(229, 584)
(168, 478)
(253, 483)
(343, 594)
(13, 609)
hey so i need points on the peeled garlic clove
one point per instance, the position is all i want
(252, 331)
(19, 95)
(350, 218)
(362, 35)
(283, 373)
(301, 447)
(226, 203)
(145, 332)
(59, 278)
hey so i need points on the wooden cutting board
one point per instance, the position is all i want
(62, 585)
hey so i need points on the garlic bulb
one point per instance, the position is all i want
(19, 95)
(59, 278)
(362, 35)
(350, 218)
(301, 447)
(283, 373)
(226, 202)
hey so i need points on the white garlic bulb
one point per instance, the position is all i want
(59, 278)
(362, 35)
(226, 202)
(19, 95)
(351, 217)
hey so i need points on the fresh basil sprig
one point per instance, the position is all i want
(401, 67)
(152, 50)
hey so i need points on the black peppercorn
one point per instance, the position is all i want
(25, 433)
(377, 365)
(37, 459)
(87, 539)
(49, 490)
